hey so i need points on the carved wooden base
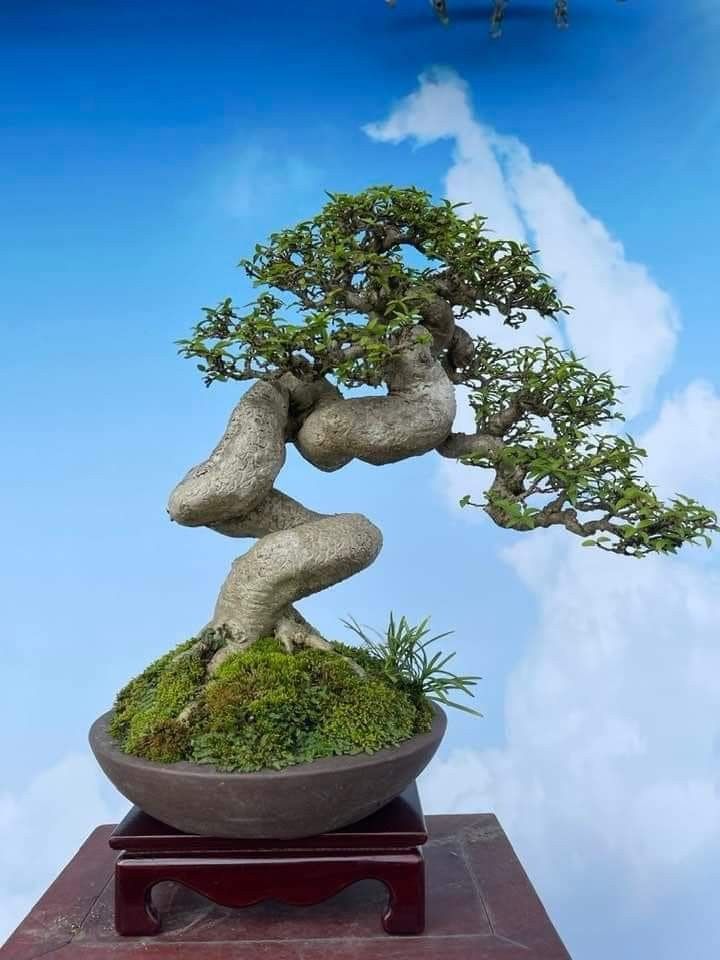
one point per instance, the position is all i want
(238, 873)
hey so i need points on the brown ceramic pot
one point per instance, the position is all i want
(299, 801)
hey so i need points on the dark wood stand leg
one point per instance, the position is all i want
(406, 910)
(135, 915)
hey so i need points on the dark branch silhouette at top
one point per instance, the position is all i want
(561, 11)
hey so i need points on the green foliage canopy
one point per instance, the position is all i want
(346, 275)
(372, 264)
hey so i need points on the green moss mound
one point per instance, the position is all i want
(264, 708)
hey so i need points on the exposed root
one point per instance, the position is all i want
(218, 658)
(216, 644)
(293, 630)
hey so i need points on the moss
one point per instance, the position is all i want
(140, 692)
(165, 741)
(425, 715)
(361, 656)
(264, 708)
(145, 706)
(371, 715)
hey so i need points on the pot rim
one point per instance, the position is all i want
(100, 737)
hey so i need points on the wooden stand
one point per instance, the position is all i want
(238, 873)
(480, 903)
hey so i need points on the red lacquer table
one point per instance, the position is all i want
(480, 906)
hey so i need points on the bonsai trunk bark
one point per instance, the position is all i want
(299, 551)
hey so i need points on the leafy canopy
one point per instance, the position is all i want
(372, 264)
(345, 275)
(515, 389)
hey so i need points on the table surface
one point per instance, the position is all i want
(481, 906)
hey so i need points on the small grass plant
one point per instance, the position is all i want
(406, 663)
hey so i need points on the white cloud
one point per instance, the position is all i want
(623, 321)
(683, 444)
(609, 780)
(440, 109)
(42, 826)
(613, 736)
(261, 176)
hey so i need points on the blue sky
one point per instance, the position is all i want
(145, 148)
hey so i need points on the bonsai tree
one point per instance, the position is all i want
(373, 292)
(561, 11)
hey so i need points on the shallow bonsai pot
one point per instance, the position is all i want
(299, 801)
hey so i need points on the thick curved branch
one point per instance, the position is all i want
(458, 445)
(415, 416)
(299, 551)
(634, 519)
(276, 512)
(240, 471)
(287, 565)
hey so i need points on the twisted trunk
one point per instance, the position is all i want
(300, 551)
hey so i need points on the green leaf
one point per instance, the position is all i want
(457, 706)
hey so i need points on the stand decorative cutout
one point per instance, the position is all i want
(239, 873)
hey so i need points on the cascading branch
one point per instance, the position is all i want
(373, 292)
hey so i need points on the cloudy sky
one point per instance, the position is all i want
(143, 153)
